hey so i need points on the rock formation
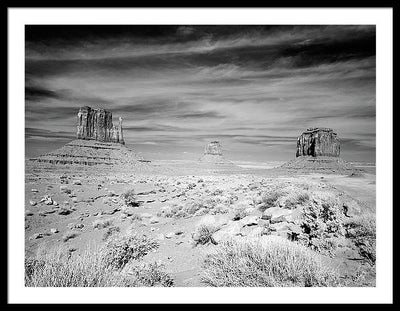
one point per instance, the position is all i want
(99, 142)
(318, 149)
(213, 154)
(96, 124)
(318, 142)
(213, 148)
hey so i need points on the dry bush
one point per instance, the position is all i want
(362, 230)
(266, 262)
(129, 198)
(151, 274)
(111, 231)
(102, 223)
(207, 205)
(204, 231)
(240, 213)
(297, 199)
(58, 268)
(269, 199)
(322, 223)
(122, 249)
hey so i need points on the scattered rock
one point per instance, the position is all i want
(36, 236)
(249, 220)
(54, 230)
(65, 189)
(47, 200)
(154, 220)
(231, 230)
(32, 203)
(77, 182)
(34, 190)
(170, 235)
(146, 215)
(280, 226)
(64, 211)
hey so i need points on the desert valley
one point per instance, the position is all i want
(99, 214)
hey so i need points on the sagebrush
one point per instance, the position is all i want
(265, 262)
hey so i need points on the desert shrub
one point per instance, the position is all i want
(322, 223)
(111, 231)
(121, 249)
(151, 274)
(204, 230)
(269, 200)
(135, 217)
(362, 230)
(130, 198)
(58, 268)
(240, 213)
(265, 262)
(219, 209)
(102, 223)
(69, 235)
(203, 235)
(202, 206)
(297, 199)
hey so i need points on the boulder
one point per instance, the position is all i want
(275, 213)
(249, 220)
(227, 232)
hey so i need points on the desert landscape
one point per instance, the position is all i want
(308, 222)
(200, 156)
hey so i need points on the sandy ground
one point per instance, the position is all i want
(95, 195)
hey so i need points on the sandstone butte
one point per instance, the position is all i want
(98, 141)
(318, 149)
(97, 124)
(318, 142)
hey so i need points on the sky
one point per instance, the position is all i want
(253, 88)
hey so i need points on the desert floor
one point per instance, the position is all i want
(61, 199)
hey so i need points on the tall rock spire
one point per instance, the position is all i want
(96, 124)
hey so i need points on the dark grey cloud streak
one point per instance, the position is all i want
(253, 87)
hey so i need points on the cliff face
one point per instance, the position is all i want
(318, 142)
(97, 124)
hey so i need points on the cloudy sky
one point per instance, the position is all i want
(254, 88)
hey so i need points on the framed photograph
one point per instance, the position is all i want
(209, 155)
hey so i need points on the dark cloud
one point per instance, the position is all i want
(201, 115)
(37, 93)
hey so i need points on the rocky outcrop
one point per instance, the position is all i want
(318, 150)
(318, 142)
(213, 148)
(213, 154)
(91, 152)
(99, 143)
(96, 124)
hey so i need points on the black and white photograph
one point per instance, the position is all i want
(200, 155)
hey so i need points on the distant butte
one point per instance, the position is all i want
(97, 124)
(99, 142)
(318, 149)
(213, 154)
(317, 142)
